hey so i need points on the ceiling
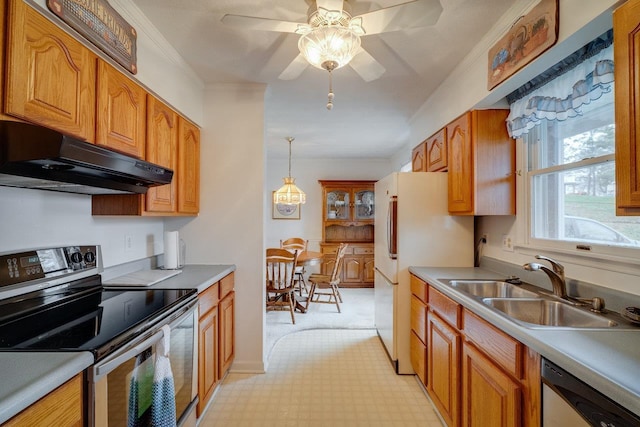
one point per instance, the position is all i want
(369, 119)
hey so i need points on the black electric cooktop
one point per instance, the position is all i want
(73, 314)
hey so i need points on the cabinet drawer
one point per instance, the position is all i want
(419, 288)
(503, 349)
(334, 249)
(419, 318)
(447, 308)
(362, 251)
(226, 285)
(208, 299)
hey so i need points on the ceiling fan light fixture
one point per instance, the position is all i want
(336, 44)
(289, 193)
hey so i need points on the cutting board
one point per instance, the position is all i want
(142, 278)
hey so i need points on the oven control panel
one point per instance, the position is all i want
(35, 264)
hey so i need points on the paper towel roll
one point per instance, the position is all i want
(171, 249)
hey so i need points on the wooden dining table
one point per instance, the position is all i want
(306, 258)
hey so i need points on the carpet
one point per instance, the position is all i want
(357, 313)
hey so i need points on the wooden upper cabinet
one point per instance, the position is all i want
(162, 149)
(188, 167)
(418, 158)
(436, 152)
(121, 112)
(481, 164)
(50, 76)
(626, 47)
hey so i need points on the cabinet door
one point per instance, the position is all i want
(368, 271)
(121, 112)
(418, 353)
(162, 143)
(418, 156)
(626, 24)
(443, 368)
(62, 407)
(352, 269)
(489, 396)
(436, 152)
(337, 203)
(363, 204)
(50, 76)
(227, 332)
(188, 167)
(460, 164)
(208, 373)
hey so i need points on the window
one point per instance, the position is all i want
(571, 180)
(565, 118)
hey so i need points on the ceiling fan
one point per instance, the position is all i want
(330, 39)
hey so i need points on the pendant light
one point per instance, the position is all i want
(289, 193)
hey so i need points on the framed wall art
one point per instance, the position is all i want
(282, 211)
(527, 38)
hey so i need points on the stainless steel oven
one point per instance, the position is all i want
(114, 380)
(53, 300)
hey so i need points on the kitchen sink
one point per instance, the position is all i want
(491, 289)
(532, 312)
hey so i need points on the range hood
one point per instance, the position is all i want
(36, 157)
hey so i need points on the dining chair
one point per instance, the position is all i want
(280, 282)
(299, 244)
(324, 288)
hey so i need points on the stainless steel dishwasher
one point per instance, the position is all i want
(567, 401)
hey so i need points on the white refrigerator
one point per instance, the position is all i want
(412, 228)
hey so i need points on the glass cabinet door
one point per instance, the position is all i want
(338, 205)
(364, 205)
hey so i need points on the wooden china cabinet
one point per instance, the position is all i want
(348, 213)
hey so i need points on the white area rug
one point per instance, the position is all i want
(357, 313)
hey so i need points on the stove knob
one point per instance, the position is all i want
(76, 257)
(89, 257)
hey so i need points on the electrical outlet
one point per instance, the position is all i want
(485, 237)
(507, 243)
(128, 243)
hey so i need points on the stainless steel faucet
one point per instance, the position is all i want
(559, 283)
(556, 274)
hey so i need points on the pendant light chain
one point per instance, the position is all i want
(331, 95)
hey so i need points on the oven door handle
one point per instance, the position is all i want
(103, 369)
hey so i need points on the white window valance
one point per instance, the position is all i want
(562, 98)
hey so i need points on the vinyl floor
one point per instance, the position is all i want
(323, 377)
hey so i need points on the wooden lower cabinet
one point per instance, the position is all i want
(216, 345)
(443, 368)
(418, 338)
(476, 375)
(358, 264)
(489, 396)
(63, 407)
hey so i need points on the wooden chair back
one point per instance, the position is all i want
(337, 266)
(281, 266)
(294, 243)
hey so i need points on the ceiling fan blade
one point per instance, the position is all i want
(366, 66)
(261, 24)
(417, 13)
(329, 4)
(294, 69)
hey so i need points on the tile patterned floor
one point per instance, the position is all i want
(324, 377)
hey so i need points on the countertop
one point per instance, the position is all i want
(607, 360)
(29, 376)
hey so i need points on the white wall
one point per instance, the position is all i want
(307, 172)
(230, 227)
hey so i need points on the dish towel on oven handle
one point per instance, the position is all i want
(163, 401)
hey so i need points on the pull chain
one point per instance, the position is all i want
(331, 95)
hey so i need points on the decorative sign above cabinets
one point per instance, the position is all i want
(98, 22)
